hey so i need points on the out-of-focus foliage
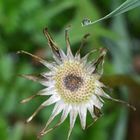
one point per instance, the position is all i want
(21, 25)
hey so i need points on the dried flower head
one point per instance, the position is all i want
(72, 84)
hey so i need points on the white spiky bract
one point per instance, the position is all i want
(72, 84)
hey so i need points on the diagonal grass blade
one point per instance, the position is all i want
(124, 7)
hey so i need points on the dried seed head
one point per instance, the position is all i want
(73, 84)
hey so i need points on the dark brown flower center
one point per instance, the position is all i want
(73, 82)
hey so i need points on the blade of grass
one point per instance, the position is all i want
(124, 7)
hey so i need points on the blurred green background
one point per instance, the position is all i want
(21, 25)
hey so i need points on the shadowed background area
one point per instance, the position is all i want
(21, 26)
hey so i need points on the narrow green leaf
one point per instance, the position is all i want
(124, 7)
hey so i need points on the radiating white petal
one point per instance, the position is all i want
(58, 61)
(77, 57)
(48, 74)
(57, 109)
(97, 102)
(91, 110)
(51, 100)
(99, 84)
(48, 83)
(63, 55)
(82, 115)
(66, 110)
(100, 99)
(54, 98)
(65, 113)
(73, 116)
(69, 52)
(70, 55)
(44, 62)
(47, 91)
(96, 77)
(51, 65)
(84, 59)
(89, 67)
(100, 92)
